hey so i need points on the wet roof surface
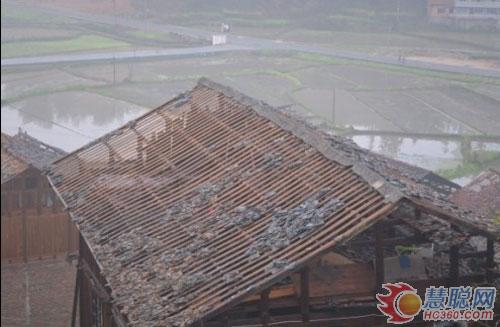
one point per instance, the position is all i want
(11, 164)
(21, 150)
(215, 196)
(482, 196)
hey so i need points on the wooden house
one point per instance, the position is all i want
(218, 210)
(34, 223)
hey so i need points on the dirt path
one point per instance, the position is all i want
(459, 62)
(39, 293)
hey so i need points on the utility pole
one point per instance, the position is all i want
(115, 29)
(333, 108)
(398, 9)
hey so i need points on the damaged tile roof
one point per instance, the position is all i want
(482, 196)
(419, 186)
(215, 196)
(11, 164)
(21, 150)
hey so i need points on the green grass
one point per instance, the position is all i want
(496, 220)
(457, 77)
(26, 15)
(104, 90)
(464, 169)
(271, 72)
(84, 42)
(151, 35)
(294, 80)
(172, 78)
(240, 19)
(348, 19)
(319, 58)
(258, 22)
(484, 158)
(46, 91)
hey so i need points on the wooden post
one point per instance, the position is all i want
(466, 149)
(264, 307)
(139, 149)
(418, 214)
(333, 108)
(454, 265)
(490, 259)
(76, 296)
(25, 230)
(39, 199)
(6, 204)
(304, 294)
(107, 317)
(55, 202)
(379, 257)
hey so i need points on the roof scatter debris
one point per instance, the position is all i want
(296, 164)
(278, 265)
(242, 144)
(231, 277)
(182, 256)
(75, 199)
(187, 281)
(287, 225)
(202, 195)
(279, 140)
(270, 194)
(21, 151)
(183, 99)
(245, 215)
(57, 180)
(198, 220)
(272, 160)
(179, 210)
(440, 232)
(128, 245)
(154, 278)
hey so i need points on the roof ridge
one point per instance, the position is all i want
(25, 136)
(311, 135)
(348, 173)
(128, 124)
(8, 149)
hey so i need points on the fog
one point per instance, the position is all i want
(415, 80)
(405, 78)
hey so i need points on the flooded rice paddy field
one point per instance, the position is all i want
(67, 105)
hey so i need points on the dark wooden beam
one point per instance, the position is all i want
(448, 216)
(24, 220)
(417, 213)
(304, 294)
(118, 317)
(264, 307)
(392, 241)
(39, 198)
(75, 297)
(99, 289)
(69, 224)
(490, 259)
(379, 257)
(414, 223)
(475, 254)
(454, 265)
(314, 254)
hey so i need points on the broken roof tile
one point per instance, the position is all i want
(202, 227)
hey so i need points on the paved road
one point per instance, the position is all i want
(237, 43)
(121, 55)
